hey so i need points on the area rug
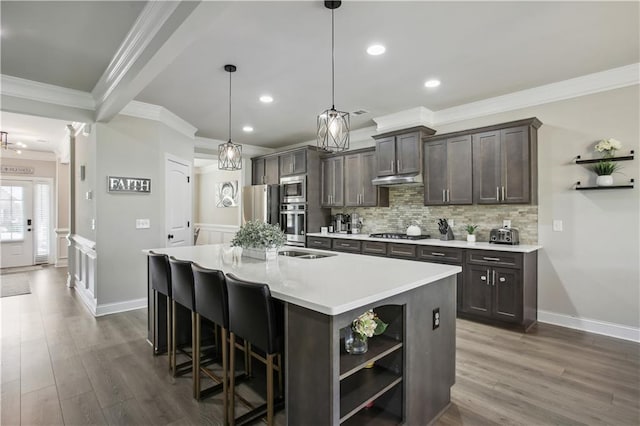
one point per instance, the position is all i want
(5, 271)
(14, 285)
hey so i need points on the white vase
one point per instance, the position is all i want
(471, 238)
(604, 180)
(260, 253)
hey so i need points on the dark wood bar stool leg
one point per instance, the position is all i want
(225, 377)
(232, 379)
(270, 388)
(173, 338)
(195, 353)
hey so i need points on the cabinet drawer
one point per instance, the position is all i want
(346, 245)
(374, 247)
(407, 251)
(494, 258)
(440, 254)
(320, 243)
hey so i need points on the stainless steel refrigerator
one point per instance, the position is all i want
(261, 203)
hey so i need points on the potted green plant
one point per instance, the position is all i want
(259, 240)
(604, 169)
(471, 237)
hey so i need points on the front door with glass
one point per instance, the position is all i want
(16, 223)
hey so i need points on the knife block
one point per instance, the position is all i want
(448, 236)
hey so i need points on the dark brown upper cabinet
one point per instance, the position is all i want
(265, 170)
(505, 165)
(359, 171)
(332, 177)
(448, 171)
(399, 152)
(293, 163)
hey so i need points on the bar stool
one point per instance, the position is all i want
(212, 304)
(183, 295)
(160, 276)
(257, 318)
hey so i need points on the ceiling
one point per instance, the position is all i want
(477, 49)
(37, 133)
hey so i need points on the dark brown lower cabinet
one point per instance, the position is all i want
(447, 256)
(500, 294)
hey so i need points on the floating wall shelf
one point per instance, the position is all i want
(586, 188)
(596, 160)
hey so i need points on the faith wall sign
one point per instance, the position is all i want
(128, 184)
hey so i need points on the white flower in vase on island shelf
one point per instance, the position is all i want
(608, 147)
(362, 328)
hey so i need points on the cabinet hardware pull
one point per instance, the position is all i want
(494, 259)
(487, 277)
(497, 193)
(494, 277)
(391, 166)
(435, 253)
(398, 166)
(444, 197)
(503, 197)
(448, 196)
(502, 279)
(483, 278)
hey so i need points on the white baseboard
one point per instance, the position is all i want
(62, 263)
(127, 305)
(592, 326)
(86, 297)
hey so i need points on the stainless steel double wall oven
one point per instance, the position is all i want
(293, 209)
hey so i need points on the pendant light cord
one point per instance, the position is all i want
(229, 106)
(333, 59)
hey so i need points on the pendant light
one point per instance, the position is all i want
(229, 153)
(333, 125)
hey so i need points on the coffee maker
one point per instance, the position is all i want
(341, 222)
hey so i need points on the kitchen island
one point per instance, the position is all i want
(414, 359)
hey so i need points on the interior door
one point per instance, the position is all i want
(16, 223)
(178, 203)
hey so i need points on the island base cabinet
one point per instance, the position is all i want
(414, 363)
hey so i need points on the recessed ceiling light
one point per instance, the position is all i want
(376, 49)
(18, 151)
(266, 99)
(247, 129)
(432, 83)
(21, 145)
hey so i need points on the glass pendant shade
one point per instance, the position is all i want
(229, 156)
(333, 130)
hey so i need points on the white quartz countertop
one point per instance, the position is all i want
(330, 285)
(521, 248)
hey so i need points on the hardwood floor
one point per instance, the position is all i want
(59, 365)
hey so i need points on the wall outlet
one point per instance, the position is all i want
(436, 318)
(93, 224)
(506, 223)
(143, 223)
(557, 225)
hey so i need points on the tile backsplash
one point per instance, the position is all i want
(406, 204)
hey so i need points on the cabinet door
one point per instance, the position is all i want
(476, 294)
(338, 181)
(369, 197)
(507, 294)
(515, 165)
(326, 182)
(386, 156)
(257, 171)
(299, 162)
(286, 164)
(459, 171)
(435, 173)
(486, 168)
(352, 180)
(271, 170)
(408, 156)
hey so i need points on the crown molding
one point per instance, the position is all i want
(615, 78)
(43, 92)
(208, 148)
(149, 22)
(161, 114)
(419, 116)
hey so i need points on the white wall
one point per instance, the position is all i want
(206, 211)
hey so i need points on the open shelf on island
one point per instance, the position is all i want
(379, 347)
(579, 160)
(588, 188)
(363, 387)
(373, 416)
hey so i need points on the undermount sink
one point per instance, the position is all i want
(304, 254)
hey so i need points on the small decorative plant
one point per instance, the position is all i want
(471, 229)
(254, 234)
(608, 147)
(605, 167)
(368, 325)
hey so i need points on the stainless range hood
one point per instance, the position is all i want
(398, 180)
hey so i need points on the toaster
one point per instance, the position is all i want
(504, 236)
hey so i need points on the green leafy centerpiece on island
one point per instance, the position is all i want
(259, 240)
(362, 328)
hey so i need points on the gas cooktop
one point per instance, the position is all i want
(398, 236)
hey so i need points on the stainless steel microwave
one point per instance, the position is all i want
(293, 189)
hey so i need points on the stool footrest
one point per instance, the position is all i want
(259, 412)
